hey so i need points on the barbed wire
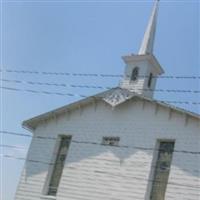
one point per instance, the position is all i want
(12, 146)
(85, 96)
(193, 187)
(100, 144)
(57, 84)
(138, 163)
(43, 92)
(95, 86)
(19, 134)
(96, 143)
(92, 74)
(24, 159)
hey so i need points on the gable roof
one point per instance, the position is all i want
(113, 97)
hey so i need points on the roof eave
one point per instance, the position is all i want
(32, 123)
(150, 57)
(175, 108)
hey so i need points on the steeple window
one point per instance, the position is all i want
(135, 73)
(150, 80)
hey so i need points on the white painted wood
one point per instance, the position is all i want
(96, 172)
(149, 36)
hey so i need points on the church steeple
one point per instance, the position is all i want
(142, 69)
(149, 36)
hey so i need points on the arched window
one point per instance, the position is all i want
(135, 73)
(150, 80)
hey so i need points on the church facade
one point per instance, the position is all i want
(120, 144)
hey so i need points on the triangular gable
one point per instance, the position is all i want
(114, 97)
(117, 96)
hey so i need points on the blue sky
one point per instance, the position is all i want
(86, 37)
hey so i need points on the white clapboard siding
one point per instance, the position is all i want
(97, 172)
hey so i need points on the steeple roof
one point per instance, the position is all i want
(149, 36)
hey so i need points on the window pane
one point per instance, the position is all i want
(162, 168)
(134, 74)
(150, 80)
(59, 164)
(112, 141)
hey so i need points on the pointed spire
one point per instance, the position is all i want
(148, 40)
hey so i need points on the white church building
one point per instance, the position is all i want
(121, 144)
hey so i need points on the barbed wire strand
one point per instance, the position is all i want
(138, 177)
(96, 143)
(92, 74)
(139, 163)
(94, 86)
(85, 96)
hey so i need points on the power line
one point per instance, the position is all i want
(96, 143)
(84, 96)
(95, 86)
(92, 74)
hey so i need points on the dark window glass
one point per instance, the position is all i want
(59, 165)
(161, 172)
(135, 73)
(150, 80)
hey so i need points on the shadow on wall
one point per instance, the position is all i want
(117, 161)
(128, 164)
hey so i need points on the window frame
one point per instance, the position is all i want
(153, 164)
(53, 160)
(134, 74)
(114, 138)
(149, 84)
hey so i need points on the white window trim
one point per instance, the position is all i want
(47, 197)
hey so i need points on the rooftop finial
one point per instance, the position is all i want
(148, 40)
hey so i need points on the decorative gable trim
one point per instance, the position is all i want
(117, 97)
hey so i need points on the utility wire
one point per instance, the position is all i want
(92, 74)
(94, 86)
(84, 96)
(96, 143)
